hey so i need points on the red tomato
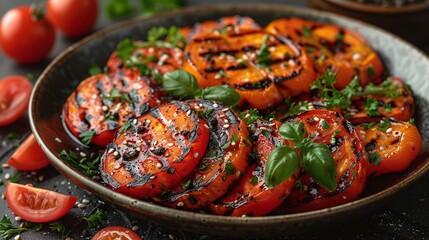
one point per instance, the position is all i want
(115, 232)
(24, 37)
(15, 93)
(72, 17)
(36, 204)
(29, 156)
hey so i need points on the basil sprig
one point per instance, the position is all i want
(182, 84)
(315, 158)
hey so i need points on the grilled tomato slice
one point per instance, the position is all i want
(224, 162)
(330, 128)
(155, 151)
(103, 103)
(344, 51)
(262, 68)
(250, 196)
(391, 148)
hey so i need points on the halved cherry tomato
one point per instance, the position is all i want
(344, 51)
(232, 58)
(72, 17)
(15, 94)
(400, 108)
(36, 204)
(103, 103)
(158, 150)
(224, 162)
(29, 156)
(331, 129)
(115, 233)
(219, 25)
(396, 147)
(250, 196)
(24, 36)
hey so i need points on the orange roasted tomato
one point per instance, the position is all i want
(342, 50)
(224, 162)
(155, 151)
(103, 103)
(392, 147)
(330, 128)
(262, 68)
(250, 196)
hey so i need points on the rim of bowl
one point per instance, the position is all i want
(144, 207)
(362, 7)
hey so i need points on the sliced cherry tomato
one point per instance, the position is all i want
(37, 204)
(395, 147)
(331, 129)
(344, 51)
(220, 25)
(250, 196)
(103, 103)
(261, 67)
(15, 94)
(24, 36)
(157, 150)
(225, 161)
(116, 233)
(400, 107)
(73, 18)
(29, 156)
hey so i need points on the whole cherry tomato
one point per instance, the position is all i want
(73, 18)
(25, 35)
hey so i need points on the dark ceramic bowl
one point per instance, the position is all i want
(67, 70)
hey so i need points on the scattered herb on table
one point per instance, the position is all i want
(7, 229)
(95, 218)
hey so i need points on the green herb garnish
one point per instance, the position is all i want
(58, 227)
(7, 229)
(95, 218)
(233, 139)
(264, 54)
(229, 168)
(87, 136)
(374, 158)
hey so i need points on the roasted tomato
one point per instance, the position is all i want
(250, 196)
(224, 162)
(155, 151)
(398, 103)
(102, 103)
(344, 51)
(262, 68)
(160, 59)
(219, 25)
(37, 204)
(393, 148)
(330, 128)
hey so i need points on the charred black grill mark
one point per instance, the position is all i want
(212, 70)
(199, 40)
(263, 84)
(349, 127)
(236, 67)
(280, 79)
(79, 99)
(371, 145)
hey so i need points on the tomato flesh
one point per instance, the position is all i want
(36, 204)
(29, 156)
(115, 232)
(15, 94)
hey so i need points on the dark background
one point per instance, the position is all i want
(405, 216)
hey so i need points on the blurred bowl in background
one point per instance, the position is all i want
(408, 21)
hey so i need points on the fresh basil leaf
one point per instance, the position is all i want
(293, 131)
(319, 163)
(281, 164)
(223, 93)
(181, 84)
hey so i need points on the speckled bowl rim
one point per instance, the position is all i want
(166, 213)
(367, 8)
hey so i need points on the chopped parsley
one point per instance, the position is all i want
(87, 136)
(306, 31)
(233, 139)
(250, 116)
(254, 180)
(371, 107)
(384, 124)
(95, 218)
(374, 158)
(7, 229)
(94, 70)
(264, 55)
(58, 227)
(229, 168)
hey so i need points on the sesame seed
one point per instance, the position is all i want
(206, 126)
(388, 130)
(33, 173)
(7, 176)
(226, 126)
(246, 80)
(81, 205)
(115, 153)
(233, 143)
(138, 149)
(200, 105)
(110, 150)
(159, 165)
(117, 166)
(188, 112)
(356, 56)
(263, 128)
(82, 154)
(247, 115)
(138, 141)
(3, 196)
(152, 177)
(5, 165)
(180, 204)
(170, 144)
(238, 173)
(58, 140)
(18, 219)
(196, 155)
(151, 148)
(244, 215)
(217, 76)
(17, 237)
(135, 228)
(225, 109)
(167, 155)
(225, 121)
(85, 201)
(151, 50)
(41, 178)
(171, 236)
(147, 121)
(271, 119)
(291, 62)
(316, 119)
(215, 105)
(134, 121)
(104, 108)
(22, 225)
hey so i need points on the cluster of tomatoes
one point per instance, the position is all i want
(27, 35)
(201, 154)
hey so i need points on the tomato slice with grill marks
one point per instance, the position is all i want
(156, 151)
(224, 162)
(344, 51)
(234, 58)
(250, 196)
(104, 102)
(36, 204)
(392, 149)
(330, 128)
